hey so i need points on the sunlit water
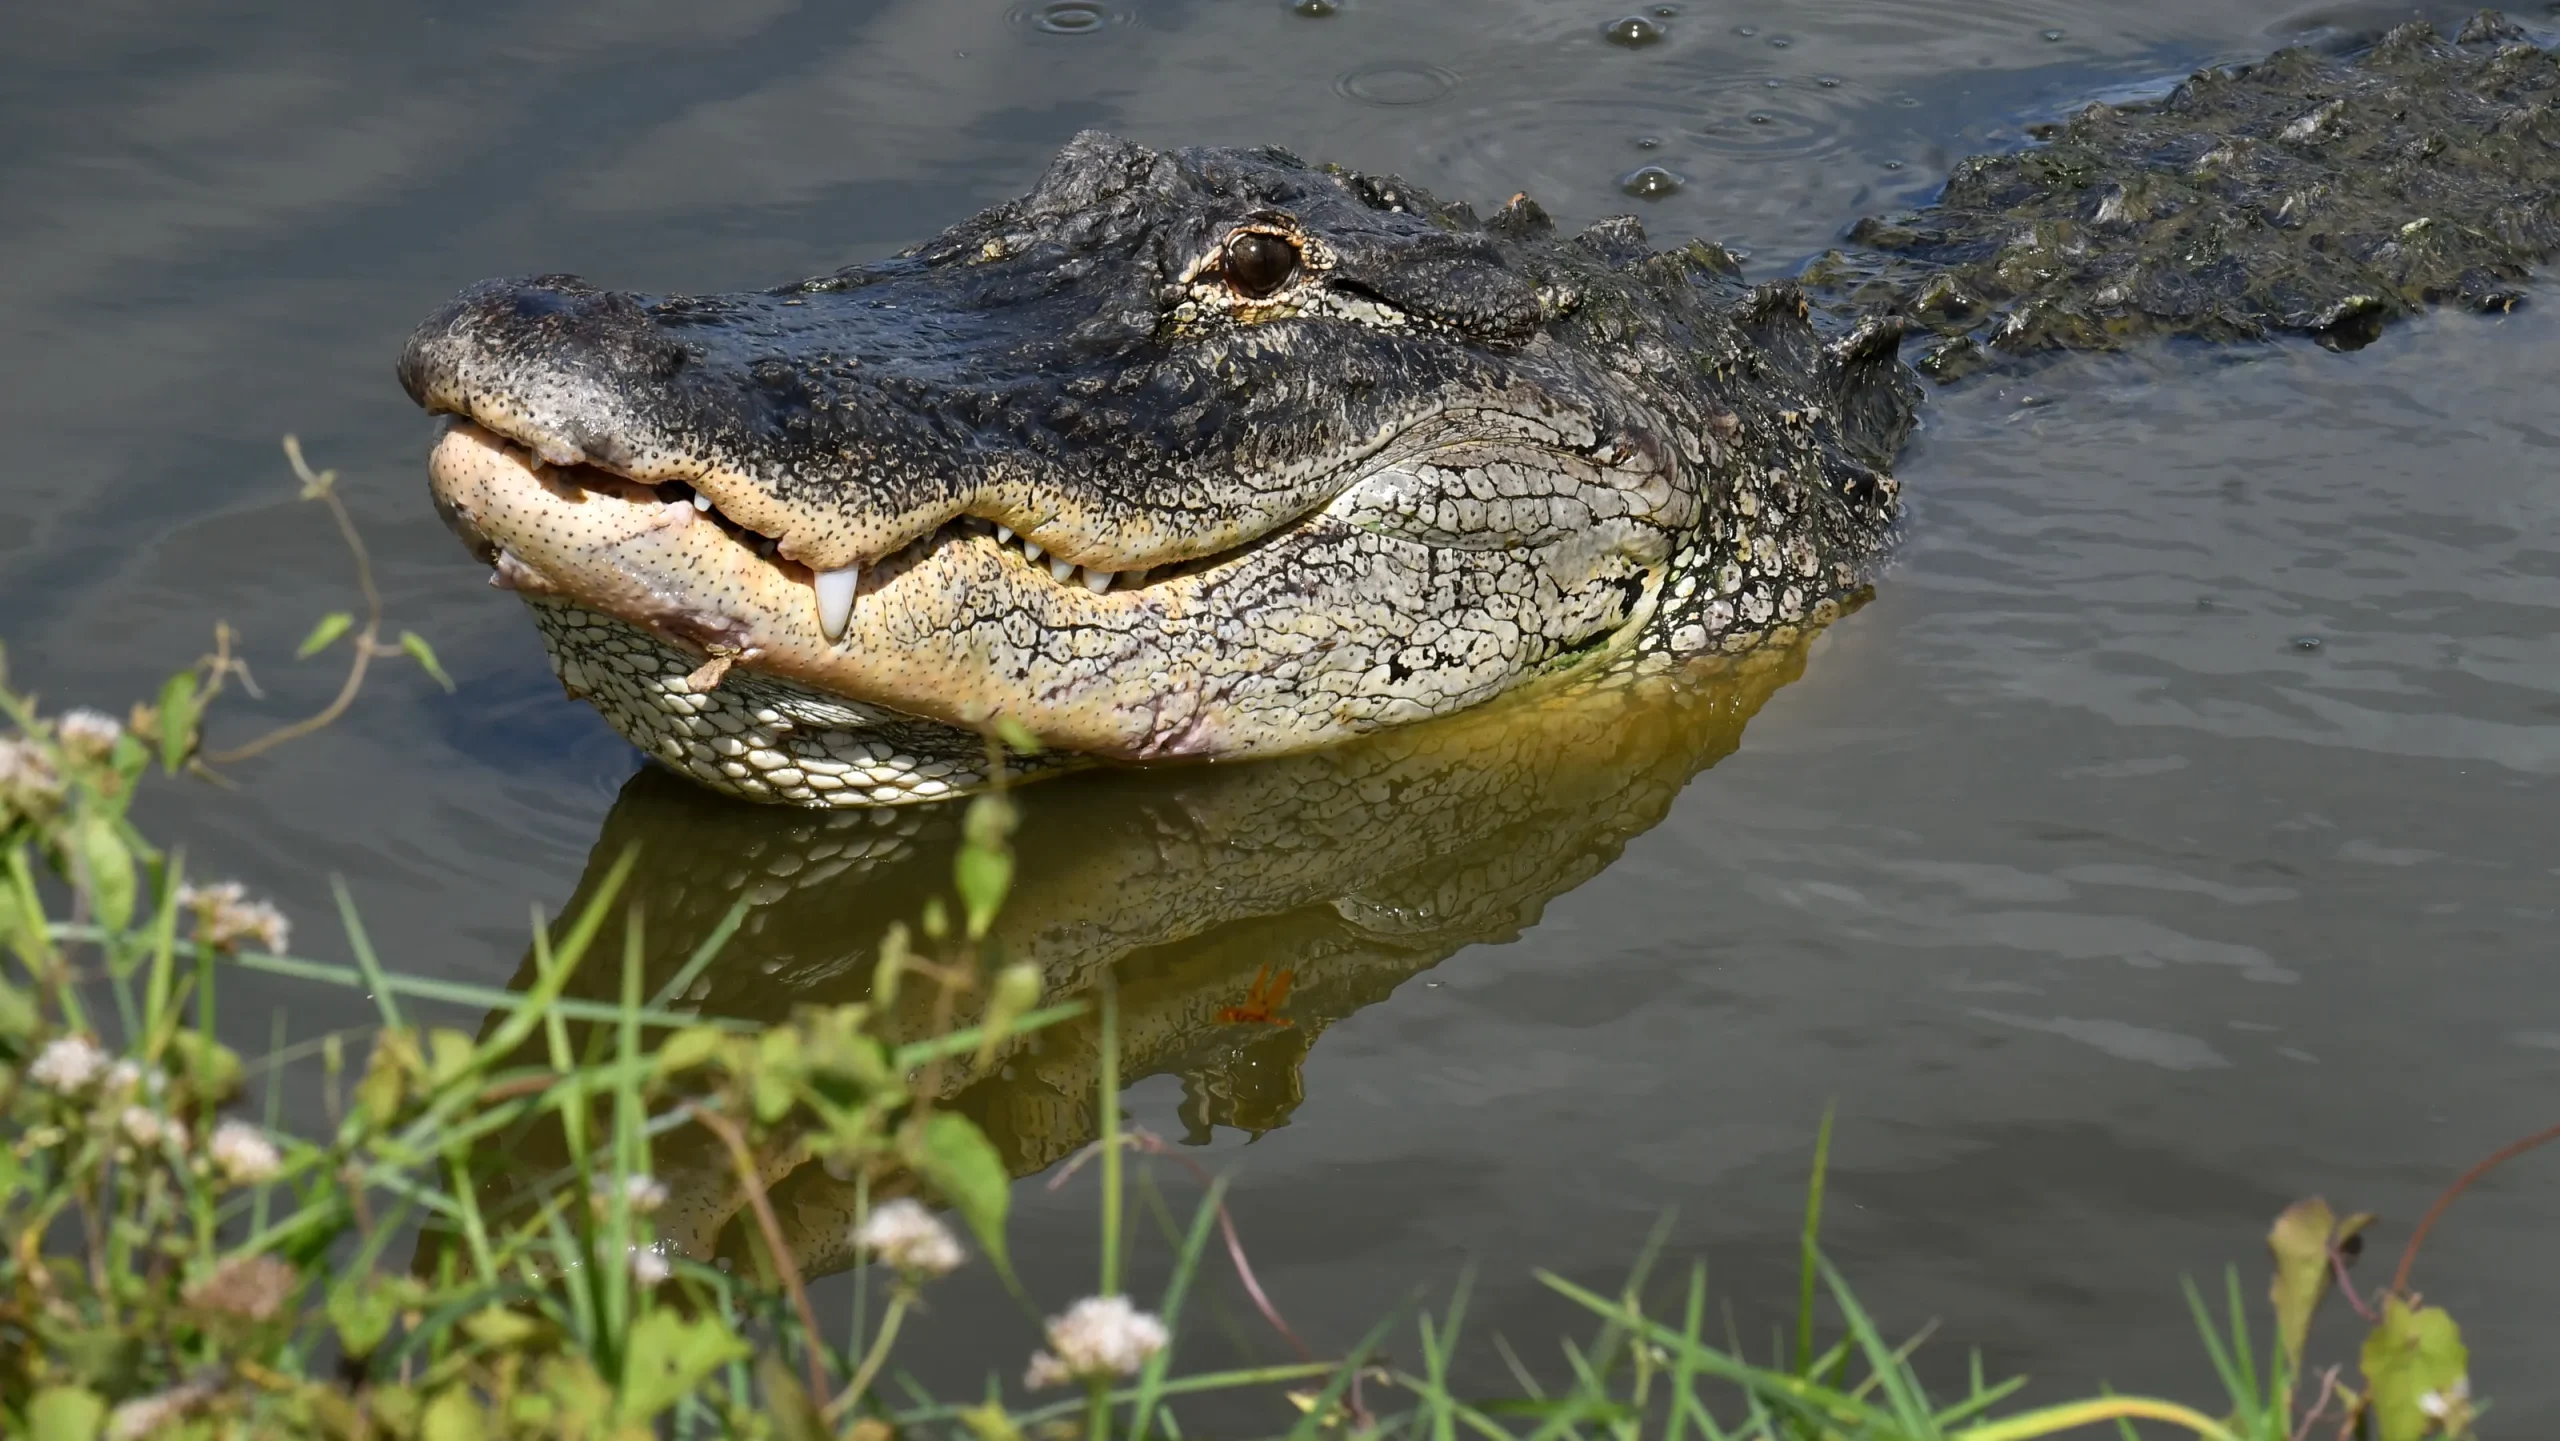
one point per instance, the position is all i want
(2170, 838)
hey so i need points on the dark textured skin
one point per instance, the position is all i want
(1451, 456)
(2308, 193)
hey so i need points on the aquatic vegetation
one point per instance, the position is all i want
(178, 1261)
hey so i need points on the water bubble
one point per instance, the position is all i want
(1827, 82)
(1316, 9)
(2306, 642)
(1665, 12)
(1746, 31)
(1650, 182)
(1893, 165)
(1395, 84)
(1070, 17)
(1908, 101)
(1635, 32)
(2053, 34)
(1779, 42)
(1648, 142)
(1761, 117)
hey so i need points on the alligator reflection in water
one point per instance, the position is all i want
(1242, 909)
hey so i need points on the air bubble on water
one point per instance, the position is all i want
(1316, 9)
(2053, 34)
(1070, 17)
(1635, 32)
(2306, 642)
(1827, 82)
(1779, 42)
(1650, 182)
(1648, 142)
(1893, 165)
(1761, 117)
(1396, 84)
(1746, 31)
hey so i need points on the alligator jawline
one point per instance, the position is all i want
(684, 504)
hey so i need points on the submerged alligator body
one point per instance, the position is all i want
(1217, 453)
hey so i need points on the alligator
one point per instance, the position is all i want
(1219, 453)
(1242, 910)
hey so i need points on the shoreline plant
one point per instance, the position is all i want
(171, 1265)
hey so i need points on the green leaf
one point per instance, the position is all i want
(1017, 990)
(963, 1165)
(690, 1047)
(323, 635)
(107, 867)
(362, 1312)
(795, 1416)
(2299, 1241)
(454, 1415)
(2417, 1373)
(449, 1053)
(988, 1422)
(982, 875)
(17, 1009)
(668, 1357)
(498, 1328)
(212, 1070)
(65, 1413)
(1017, 736)
(180, 710)
(425, 655)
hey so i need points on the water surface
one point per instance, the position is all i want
(2169, 839)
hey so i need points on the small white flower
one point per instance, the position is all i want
(2440, 1404)
(27, 778)
(68, 1064)
(643, 1193)
(225, 917)
(649, 1267)
(160, 1411)
(87, 732)
(911, 1238)
(124, 1078)
(1099, 1338)
(149, 1128)
(244, 1153)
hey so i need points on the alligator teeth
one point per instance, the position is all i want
(1098, 581)
(835, 599)
(1032, 549)
(1004, 535)
(1059, 570)
(701, 502)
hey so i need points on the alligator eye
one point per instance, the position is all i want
(1257, 263)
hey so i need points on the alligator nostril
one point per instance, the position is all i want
(542, 304)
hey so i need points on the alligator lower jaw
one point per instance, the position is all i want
(958, 629)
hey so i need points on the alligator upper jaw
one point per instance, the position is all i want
(960, 627)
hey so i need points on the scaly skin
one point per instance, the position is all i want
(1419, 462)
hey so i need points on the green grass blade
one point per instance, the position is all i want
(366, 960)
(1809, 1250)
(703, 955)
(1186, 1264)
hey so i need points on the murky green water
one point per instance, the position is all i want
(2170, 838)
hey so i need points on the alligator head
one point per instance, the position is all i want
(1201, 454)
